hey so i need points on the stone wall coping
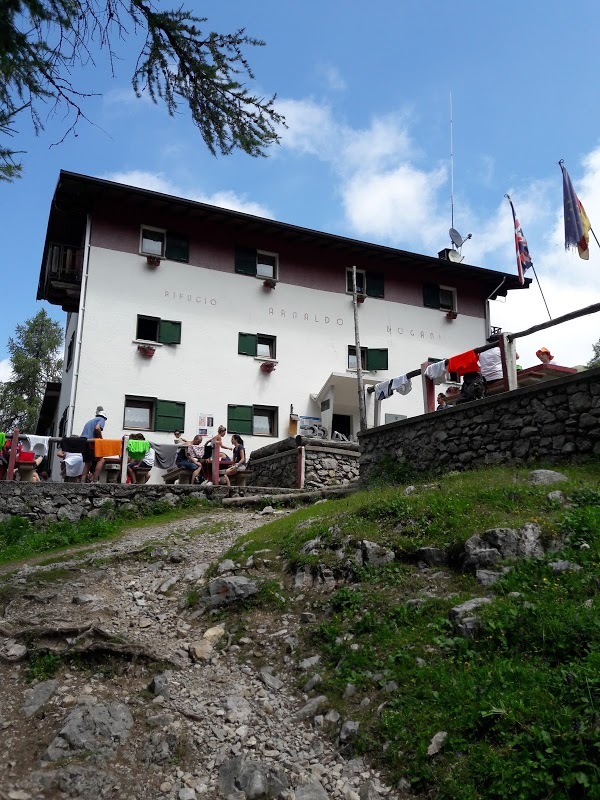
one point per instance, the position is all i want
(252, 461)
(332, 450)
(585, 376)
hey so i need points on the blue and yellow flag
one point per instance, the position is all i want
(577, 224)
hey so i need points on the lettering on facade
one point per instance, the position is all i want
(191, 298)
(425, 335)
(305, 316)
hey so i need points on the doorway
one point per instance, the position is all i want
(342, 423)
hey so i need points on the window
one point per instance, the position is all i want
(352, 361)
(371, 358)
(149, 414)
(70, 351)
(442, 297)
(257, 344)
(164, 244)
(253, 420)
(153, 329)
(369, 283)
(256, 262)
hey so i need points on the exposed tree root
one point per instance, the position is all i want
(104, 643)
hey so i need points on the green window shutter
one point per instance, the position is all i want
(169, 332)
(375, 285)
(377, 358)
(169, 416)
(239, 419)
(431, 295)
(247, 344)
(177, 248)
(245, 261)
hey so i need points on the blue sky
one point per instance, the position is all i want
(365, 89)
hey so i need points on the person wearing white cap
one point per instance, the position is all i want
(93, 430)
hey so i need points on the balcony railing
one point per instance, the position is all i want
(64, 263)
(61, 276)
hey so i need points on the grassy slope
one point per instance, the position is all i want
(21, 539)
(521, 702)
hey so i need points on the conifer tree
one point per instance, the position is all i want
(43, 43)
(34, 359)
(595, 360)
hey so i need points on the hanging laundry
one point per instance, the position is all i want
(2, 440)
(383, 390)
(401, 384)
(39, 444)
(105, 448)
(137, 448)
(73, 465)
(437, 372)
(465, 362)
(73, 444)
(165, 455)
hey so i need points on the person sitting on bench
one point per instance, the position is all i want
(182, 462)
(239, 458)
(145, 463)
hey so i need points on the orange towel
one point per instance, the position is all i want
(465, 362)
(104, 448)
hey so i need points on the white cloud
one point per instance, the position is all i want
(332, 78)
(5, 370)
(158, 183)
(395, 205)
(383, 193)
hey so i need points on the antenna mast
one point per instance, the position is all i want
(451, 166)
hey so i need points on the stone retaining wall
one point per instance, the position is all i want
(554, 421)
(42, 503)
(327, 462)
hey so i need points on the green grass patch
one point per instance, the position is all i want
(520, 702)
(19, 538)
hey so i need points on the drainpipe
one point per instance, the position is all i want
(79, 330)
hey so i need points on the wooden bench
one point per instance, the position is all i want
(142, 474)
(183, 476)
(112, 469)
(240, 478)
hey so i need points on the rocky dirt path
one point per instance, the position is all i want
(154, 699)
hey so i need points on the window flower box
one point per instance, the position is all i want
(267, 366)
(146, 350)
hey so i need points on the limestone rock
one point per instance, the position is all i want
(437, 742)
(95, 728)
(546, 477)
(38, 696)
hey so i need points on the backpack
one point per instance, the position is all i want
(473, 388)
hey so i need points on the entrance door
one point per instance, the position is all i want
(342, 423)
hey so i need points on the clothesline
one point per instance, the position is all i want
(416, 372)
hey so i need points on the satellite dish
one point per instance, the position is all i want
(454, 255)
(456, 238)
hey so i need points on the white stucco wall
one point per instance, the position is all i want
(313, 330)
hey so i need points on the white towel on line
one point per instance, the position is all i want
(73, 465)
(437, 372)
(383, 390)
(401, 384)
(39, 444)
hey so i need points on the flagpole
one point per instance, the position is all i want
(521, 269)
(594, 235)
(541, 292)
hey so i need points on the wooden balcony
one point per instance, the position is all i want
(60, 282)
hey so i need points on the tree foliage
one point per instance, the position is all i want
(595, 360)
(42, 42)
(34, 360)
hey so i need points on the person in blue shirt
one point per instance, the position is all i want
(93, 430)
